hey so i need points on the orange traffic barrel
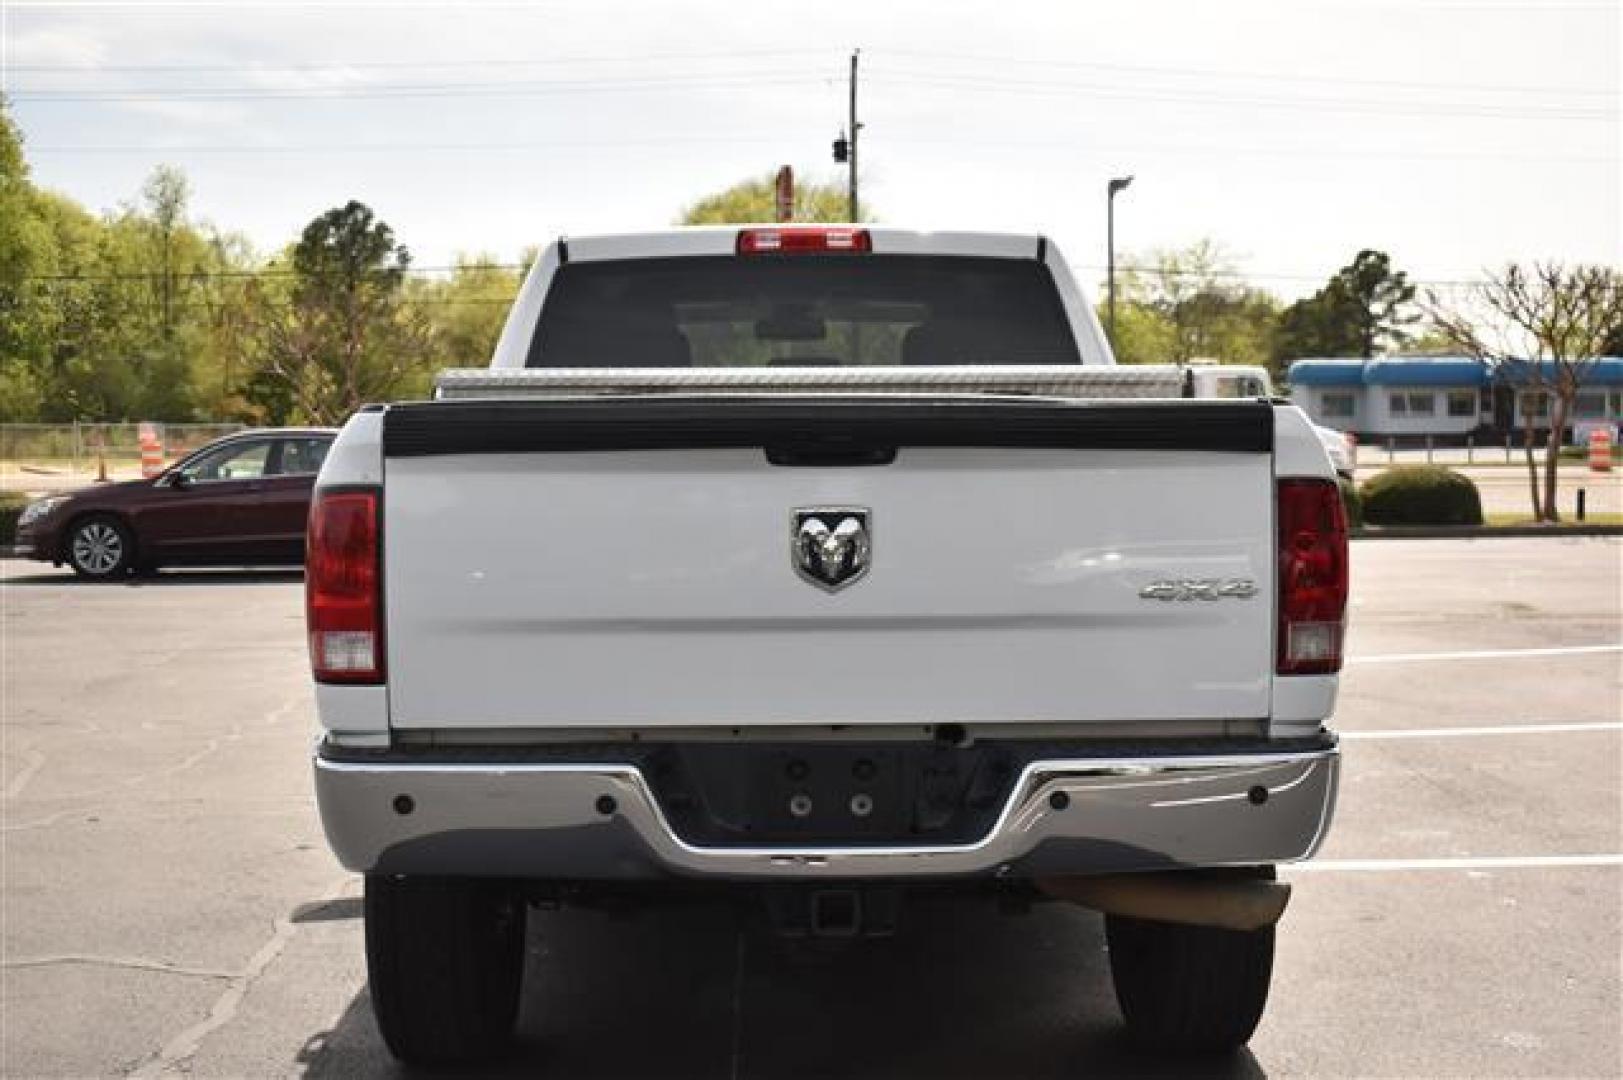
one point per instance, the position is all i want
(1600, 449)
(151, 451)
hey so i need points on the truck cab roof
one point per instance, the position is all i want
(784, 243)
(724, 240)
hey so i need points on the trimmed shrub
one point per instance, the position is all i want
(1421, 495)
(1353, 504)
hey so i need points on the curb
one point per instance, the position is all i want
(1418, 532)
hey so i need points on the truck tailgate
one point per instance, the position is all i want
(631, 563)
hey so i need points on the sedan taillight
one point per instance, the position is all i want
(1312, 577)
(342, 579)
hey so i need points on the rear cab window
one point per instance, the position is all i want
(802, 311)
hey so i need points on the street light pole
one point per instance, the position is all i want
(856, 127)
(1117, 183)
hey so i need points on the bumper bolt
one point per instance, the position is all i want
(606, 805)
(1059, 800)
(404, 804)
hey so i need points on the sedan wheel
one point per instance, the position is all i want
(100, 548)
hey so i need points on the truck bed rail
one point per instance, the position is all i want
(866, 429)
(1069, 381)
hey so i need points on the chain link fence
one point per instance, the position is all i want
(82, 448)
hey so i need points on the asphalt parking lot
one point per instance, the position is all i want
(169, 906)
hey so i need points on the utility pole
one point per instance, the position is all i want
(851, 186)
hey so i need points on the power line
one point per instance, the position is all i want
(1027, 62)
(1204, 150)
(1023, 63)
(423, 271)
(709, 81)
(269, 272)
(1210, 150)
(901, 78)
(344, 65)
(349, 148)
(933, 81)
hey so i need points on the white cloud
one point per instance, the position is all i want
(213, 116)
(304, 78)
(74, 48)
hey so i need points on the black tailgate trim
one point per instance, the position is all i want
(688, 423)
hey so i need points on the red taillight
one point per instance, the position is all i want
(341, 583)
(803, 241)
(1312, 577)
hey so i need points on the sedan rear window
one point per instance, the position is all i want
(802, 311)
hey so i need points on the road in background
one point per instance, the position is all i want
(169, 905)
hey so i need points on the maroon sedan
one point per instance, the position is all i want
(241, 501)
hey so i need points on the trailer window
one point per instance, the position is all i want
(802, 311)
(1337, 406)
(1413, 404)
(1590, 405)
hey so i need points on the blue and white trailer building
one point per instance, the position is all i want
(1447, 397)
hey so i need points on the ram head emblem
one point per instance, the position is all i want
(830, 545)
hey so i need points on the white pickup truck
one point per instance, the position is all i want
(822, 564)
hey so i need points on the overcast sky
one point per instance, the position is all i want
(1454, 134)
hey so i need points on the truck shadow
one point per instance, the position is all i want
(961, 991)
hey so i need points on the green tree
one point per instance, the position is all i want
(755, 200)
(1143, 334)
(25, 250)
(468, 309)
(334, 333)
(1544, 326)
(1364, 310)
(1612, 345)
(165, 194)
(1187, 304)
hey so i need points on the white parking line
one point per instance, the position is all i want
(1484, 654)
(1485, 862)
(1491, 729)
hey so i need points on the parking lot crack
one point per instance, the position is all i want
(133, 963)
(172, 1059)
(35, 760)
(190, 761)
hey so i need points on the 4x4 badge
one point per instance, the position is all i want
(830, 546)
(1200, 589)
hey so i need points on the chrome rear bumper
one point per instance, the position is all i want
(588, 822)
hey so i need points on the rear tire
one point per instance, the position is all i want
(100, 547)
(445, 963)
(1189, 989)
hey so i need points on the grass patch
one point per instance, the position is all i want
(1503, 518)
(1517, 517)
